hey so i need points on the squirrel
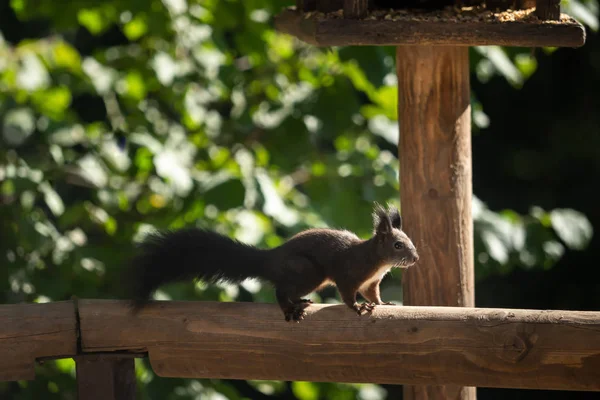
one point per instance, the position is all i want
(307, 262)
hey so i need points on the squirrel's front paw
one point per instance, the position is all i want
(359, 308)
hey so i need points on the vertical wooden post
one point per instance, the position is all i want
(355, 9)
(329, 5)
(306, 5)
(105, 378)
(547, 9)
(436, 184)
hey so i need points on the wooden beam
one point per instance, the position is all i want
(436, 183)
(395, 345)
(105, 377)
(32, 331)
(426, 29)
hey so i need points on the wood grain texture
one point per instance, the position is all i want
(395, 344)
(436, 183)
(32, 331)
(319, 31)
(435, 173)
(105, 378)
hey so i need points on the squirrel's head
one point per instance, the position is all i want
(393, 245)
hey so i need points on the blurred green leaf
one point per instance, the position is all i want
(52, 199)
(572, 227)
(136, 28)
(135, 85)
(94, 20)
(65, 56)
(305, 390)
(53, 102)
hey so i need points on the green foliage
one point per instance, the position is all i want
(507, 240)
(129, 115)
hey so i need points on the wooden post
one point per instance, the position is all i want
(306, 5)
(436, 184)
(356, 9)
(329, 5)
(548, 9)
(105, 377)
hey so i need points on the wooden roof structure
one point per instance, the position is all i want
(473, 23)
(434, 112)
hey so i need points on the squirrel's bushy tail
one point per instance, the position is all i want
(189, 253)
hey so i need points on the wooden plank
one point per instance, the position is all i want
(396, 345)
(436, 183)
(405, 28)
(101, 377)
(356, 9)
(32, 331)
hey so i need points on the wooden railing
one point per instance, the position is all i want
(483, 347)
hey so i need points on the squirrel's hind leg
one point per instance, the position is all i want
(300, 280)
(292, 306)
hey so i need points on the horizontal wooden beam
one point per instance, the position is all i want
(33, 331)
(429, 28)
(507, 348)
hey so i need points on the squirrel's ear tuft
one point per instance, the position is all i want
(395, 217)
(381, 220)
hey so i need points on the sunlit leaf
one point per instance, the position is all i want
(526, 64)
(572, 227)
(498, 59)
(52, 199)
(32, 75)
(18, 125)
(583, 11)
(93, 20)
(136, 28)
(135, 85)
(65, 56)
(53, 102)
(305, 390)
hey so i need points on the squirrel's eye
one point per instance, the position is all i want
(398, 245)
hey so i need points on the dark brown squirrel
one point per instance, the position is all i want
(307, 262)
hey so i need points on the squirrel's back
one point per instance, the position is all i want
(322, 246)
